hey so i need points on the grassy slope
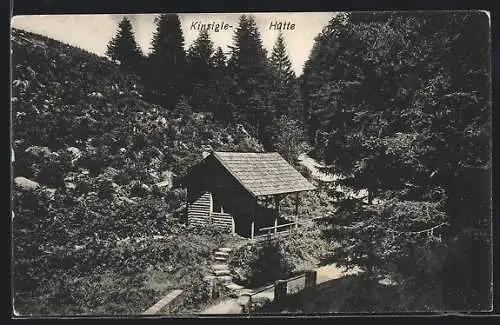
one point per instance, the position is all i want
(98, 235)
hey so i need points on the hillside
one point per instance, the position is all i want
(95, 189)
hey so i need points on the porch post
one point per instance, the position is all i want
(275, 225)
(297, 210)
(277, 206)
(187, 206)
(252, 229)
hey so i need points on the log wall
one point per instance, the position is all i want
(200, 213)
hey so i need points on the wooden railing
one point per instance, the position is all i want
(281, 291)
(163, 304)
(276, 229)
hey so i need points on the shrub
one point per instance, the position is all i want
(257, 265)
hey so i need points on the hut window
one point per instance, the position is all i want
(216, 203)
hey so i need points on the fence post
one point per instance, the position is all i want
(275, 225)
(245, 302)
(252, 231)
(310, 278)
(280, 292)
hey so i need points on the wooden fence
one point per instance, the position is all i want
(165, 305)
(281, 291)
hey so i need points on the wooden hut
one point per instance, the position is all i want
(242, 192)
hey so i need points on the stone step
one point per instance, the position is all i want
(233, 286)
(222, 272)
(225, 278)
(220, 267)
(219, 253)
(220, 258)
(225, 249)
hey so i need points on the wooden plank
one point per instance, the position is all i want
(277, 227)
(222, 219)
(163, 302)
(199, 213)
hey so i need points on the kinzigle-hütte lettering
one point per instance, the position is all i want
(284, 25)
(216, 27)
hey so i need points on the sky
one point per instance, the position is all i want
(93, 32)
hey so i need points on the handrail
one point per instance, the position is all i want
(276, 227)
(269, 286)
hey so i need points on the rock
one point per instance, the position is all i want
(126, 199)
(74, 151)
(25, 184)
(167, 184)
(70, 185)
(51, 192)
(38, 151)
(96, 95)
(110, 171)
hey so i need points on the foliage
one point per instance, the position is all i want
(289, 138)
(257, 265)
(250, 76)
(100, 221)
(167, 64)
(260, 264)
(406, 103)
(200, 58)
(285, 97)
(124, 48)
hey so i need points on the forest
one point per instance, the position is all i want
(398, 103)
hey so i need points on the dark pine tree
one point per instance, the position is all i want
(288, 129)
(201, 71)
(222, 109)
(167, 64)
(124, 48)
(283, 79)
(250, 74)
(400, 106)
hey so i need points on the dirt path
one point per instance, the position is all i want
(225, 307)
(231, 306)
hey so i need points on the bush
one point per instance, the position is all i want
(258, 265)
(261, 264)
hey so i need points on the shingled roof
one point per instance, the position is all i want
(263, 173)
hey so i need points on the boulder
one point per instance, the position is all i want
(38, 151)
(110, 171)
(74, 151)
(50, 192)
(70, 185)
(25, 184)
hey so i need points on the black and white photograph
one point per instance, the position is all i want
(251, 164)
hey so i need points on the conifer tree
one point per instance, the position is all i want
(124, 48)
(167, 64)
(201, 69)
(286, 105)
(393, 107)
(250, 73)
(222, 110)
